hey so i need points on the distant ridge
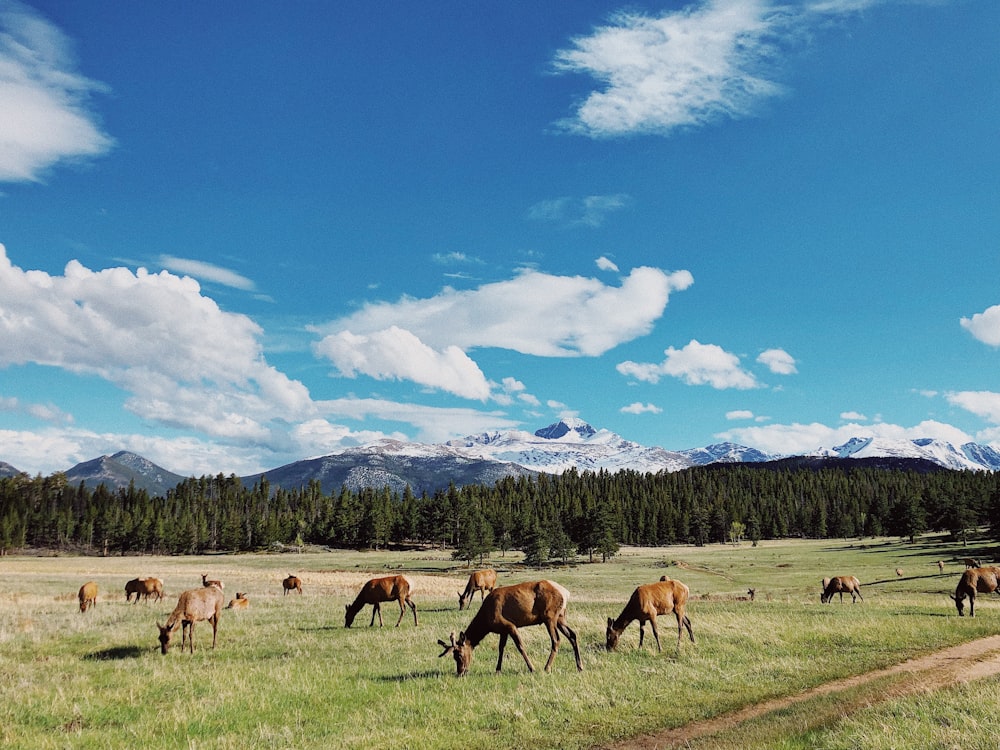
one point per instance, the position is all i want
(567, 444)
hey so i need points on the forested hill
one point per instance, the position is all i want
(547, 516)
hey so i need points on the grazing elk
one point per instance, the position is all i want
(751, 593)
(483, 581)
(645, 604)
(192, 606)
(940, 565)
(205, 581)
(973, 580)
(87, 595)
(378, 590)
(292, 583)
(240, 602)
(144, 587)
(508, 608)
(971, 562)
(839, 585)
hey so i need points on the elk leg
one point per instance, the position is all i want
(215, 628)
(402, 611)
(503, 645)
(567, 631)
(413, 606)
(656, 631)
(642, 632)
(554, 637)
(520, 647)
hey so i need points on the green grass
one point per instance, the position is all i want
(288, 674)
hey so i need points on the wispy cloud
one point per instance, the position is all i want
(710, 61)
(695, 364)
(206, 272)
(640, 408)
(590, 211)
(606, 265)
(985, 404)
(853, 416)
(44, 100)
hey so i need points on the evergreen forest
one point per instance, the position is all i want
(548, 517)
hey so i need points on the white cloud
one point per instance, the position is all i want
(680, 69)
(396, 353)
(985, 404)
(589, 211)
(185, 362)
(739, 414)
(853, 416)
(583, 316)
(43, 98)
(640, 408)
(606, 265)
(984, 326)
(206, 272)
(787, 439)
(686, 68)
(778, 361)
(695, 364)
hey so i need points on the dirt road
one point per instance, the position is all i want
(951, 666)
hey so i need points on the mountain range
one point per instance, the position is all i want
(490, 456)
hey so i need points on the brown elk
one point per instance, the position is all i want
(940, 565)
(483, 581)
(144, 587)
(292, 583)
(973, 580)
(839, 585)
(899, 572)
(378, 590)
(971, 562)
(508, 608)
(240, 602)
(751, 593)
(645, 604)
(192, 606)
(87, 595)
(206, 581)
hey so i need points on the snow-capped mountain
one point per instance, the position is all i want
(969, 456)
(567, 444)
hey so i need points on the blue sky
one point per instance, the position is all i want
(237, 235)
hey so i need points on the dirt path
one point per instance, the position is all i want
(951, 666)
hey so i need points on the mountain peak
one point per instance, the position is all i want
(563, 427)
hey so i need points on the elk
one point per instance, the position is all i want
(144, 587)
(751, 593)
(192, 606)
(508, 608)
(378, 590)
(645, 604)
(205, 581)
(899, 572)
(971, 562)
(240, 602)
(483, 581)
(940, 565)
(292, 583)
(87, 595)
(973, 580)
(839, 585)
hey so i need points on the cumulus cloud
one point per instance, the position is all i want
(583, 316)
(185, 362)
(710, 61)
(640, 408)
(206, 272)
(589, 211)
(985, 404)
(739, 414)
(778, 361)
(695, 364)
(397, 354)
(606, 265)
(44, 99)
(984, 326)
(787, 439)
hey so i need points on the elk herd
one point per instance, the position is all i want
(504, 609)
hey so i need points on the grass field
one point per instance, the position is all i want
(287, 674)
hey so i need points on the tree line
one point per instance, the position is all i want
(548, 517)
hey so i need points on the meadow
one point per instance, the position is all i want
(287, 674)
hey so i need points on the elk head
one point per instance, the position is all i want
(611, 636)
(165, 632)
(461, 650)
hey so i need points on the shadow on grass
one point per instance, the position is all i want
(425, 675)
(116, 652)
